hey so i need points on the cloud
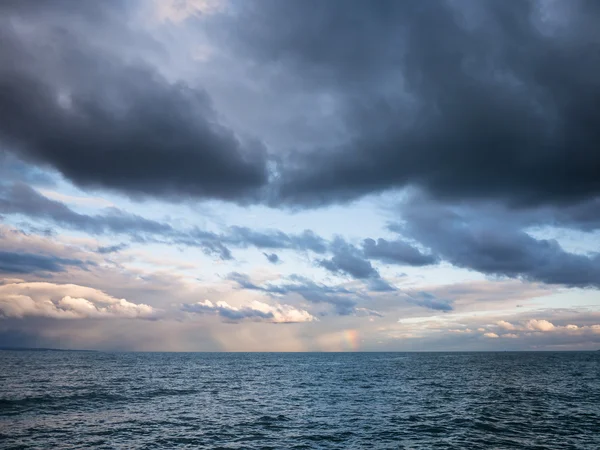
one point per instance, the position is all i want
(29, 263)
(427, 300)
(506, 325)
(69, 91)
(539, 325)
(502, 109)
(254, 311)
(367, 312)
(275, 239)
(66, 301)
(470, 119)
(490, 294)
(13, 169)
(18, 198)
(272, 258)
(112, 248)
(494, 245)
(349, 260)
(491, 335)
(340, 298)
(396, 252)
(181, 10)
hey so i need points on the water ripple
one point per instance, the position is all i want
(395, 401)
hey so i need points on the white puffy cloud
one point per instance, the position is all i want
(65, 301)
(539, 325)
(506, 325)
(491, 335)
(255, 310)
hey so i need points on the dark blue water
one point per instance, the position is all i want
(301, 401)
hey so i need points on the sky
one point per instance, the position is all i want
(286, 175)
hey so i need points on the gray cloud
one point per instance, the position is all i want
(256, 311)
(495, 104)
(495, 246)
(18, 198)
(464, 99)
(340, 298)
(349, 260)
(66, 93)
(272, 258)
(111, 248)
(427, 300)
(233, 315)
(275, 239)
(28, 263)
(396, 252)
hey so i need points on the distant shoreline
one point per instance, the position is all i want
(41, 349)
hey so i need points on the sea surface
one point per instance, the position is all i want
(506, 400)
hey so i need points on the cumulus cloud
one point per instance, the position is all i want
(506, 325)
(543, 326)
(539, 325)
(256, 310)
(66, 301)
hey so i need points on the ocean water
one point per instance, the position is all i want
(300, 401)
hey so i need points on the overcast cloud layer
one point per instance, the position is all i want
(424, 174)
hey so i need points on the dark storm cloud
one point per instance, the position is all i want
(28, 263)
(466, 99)
(396, 252)
(339, 298)
(496, 246)
(272, 258)
(70, 101)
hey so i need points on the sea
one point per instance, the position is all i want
(521, 400)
